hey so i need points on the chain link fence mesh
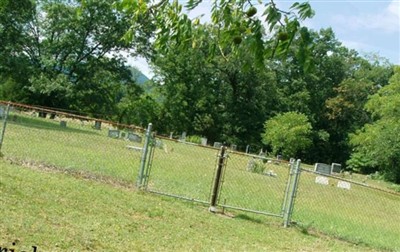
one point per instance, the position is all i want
(182, 169)
(61, 141)
(254, 183)
(348, 210)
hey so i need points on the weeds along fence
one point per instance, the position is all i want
(219, 177)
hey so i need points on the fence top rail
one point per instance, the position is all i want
(69, 115)
(351, 181)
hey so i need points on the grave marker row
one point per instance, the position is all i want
(328, 169)
(325, 181)
(130, 135)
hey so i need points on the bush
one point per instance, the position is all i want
(194, 139)
(256, 166)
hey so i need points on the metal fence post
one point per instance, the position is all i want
(139, 182)
(3, 130)
(288, 184)
(217, 180)
(292, 195)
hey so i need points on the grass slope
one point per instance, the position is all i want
(57, 212)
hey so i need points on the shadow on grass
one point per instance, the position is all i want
(248, 218)
(45, 124)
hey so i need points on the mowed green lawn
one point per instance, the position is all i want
(361, 215)
(55, 211)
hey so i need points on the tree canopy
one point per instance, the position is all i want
(288, 134)
(377, 144)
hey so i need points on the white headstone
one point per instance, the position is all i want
(183, 136)
(322, 180)
(344, 185)
(217, 145)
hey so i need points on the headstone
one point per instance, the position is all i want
(203, 141)
(234, 147)
(292, 160)
(336, 168)
(134, 137)
(171, 135)
(322, 168)
(183, 136)
(279, 157)
(217, 145)
(97, 125)
(63, 124)
(344, 185)
(113, 133)
(42, 114)
(123, 135)
(322, 180)
(2, 112)
(159, 144)
(247, 148)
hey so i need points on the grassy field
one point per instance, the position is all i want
(360, 215)
(55, 211)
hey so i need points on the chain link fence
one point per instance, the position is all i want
(45, 138)
(254, 183)
(334, 205)
(181, 169)
(349, 210)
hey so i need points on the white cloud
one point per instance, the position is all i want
(387, 20)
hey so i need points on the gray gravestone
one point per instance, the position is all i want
(217, 145)
(97, 125)
(322, 168)
(336, 168)
(234, 147)
(113, 133)
(63, 124)
(2, 112)
(134, 137)
(183, 137)
(203, 141)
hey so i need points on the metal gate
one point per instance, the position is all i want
(256, 184)
(178, 169)
(218, 177)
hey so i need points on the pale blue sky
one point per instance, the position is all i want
(368, 26)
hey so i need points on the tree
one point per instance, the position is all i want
(235, 20)
(377, 144)
(67, 54)
(288, 134)
(14, 65)
(225, 98)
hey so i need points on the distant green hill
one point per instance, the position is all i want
(138, 76)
